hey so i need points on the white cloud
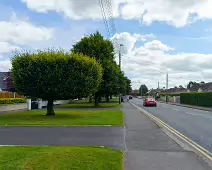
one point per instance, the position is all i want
(148, 64)
(6, 47)
(157, 45)
(5, 65)
(175, 12)
(22, 32)
(129, 40)
(17, 33)
(74, 9)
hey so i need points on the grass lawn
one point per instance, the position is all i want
(114, 100)
(60, 157)
(83, 100)
(63, 118)
(88, 105)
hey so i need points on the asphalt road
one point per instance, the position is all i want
(193, 123)
(77, 136)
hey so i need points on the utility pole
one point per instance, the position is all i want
(158, 86)
(167, 79)
(120, 69)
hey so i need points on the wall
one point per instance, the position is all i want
(5, 94)
(11, 107)
(64, 101)
(58, 102)
(177, 99)
(163, 98)
(174, 99)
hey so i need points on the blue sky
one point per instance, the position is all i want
(175, 37)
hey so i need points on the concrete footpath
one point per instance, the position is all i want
(147, 147)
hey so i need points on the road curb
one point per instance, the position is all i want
(177, 136)
(187, 106)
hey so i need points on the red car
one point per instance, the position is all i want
(149, 102)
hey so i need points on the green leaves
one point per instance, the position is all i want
(55, 74)
(198, 99)
(12, 101)
(143, 90)
(113, 80)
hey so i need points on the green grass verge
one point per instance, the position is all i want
(60, 157)
(88, 105)
(63, 118)
(114, 100)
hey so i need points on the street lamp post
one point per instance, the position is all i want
(121, 45)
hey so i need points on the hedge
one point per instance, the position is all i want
(12, 100)
(167, 94)
(198, 99)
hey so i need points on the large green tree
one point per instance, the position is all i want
(95, 46)
(128, 85)
(191, 84)
(54, 75)
(143, 90)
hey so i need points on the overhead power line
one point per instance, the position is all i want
(104, 17)
(107, 15)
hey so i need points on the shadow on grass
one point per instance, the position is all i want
(58, 116)
(89, 105)
(109, 102)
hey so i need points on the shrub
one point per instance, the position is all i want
(55, 75)
(166, 94)
(198, 99)
(12, 100)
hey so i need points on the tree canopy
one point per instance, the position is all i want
(191, 83)
(143, 90)
(113, 80)
(55, 75)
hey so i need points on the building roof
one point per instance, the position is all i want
(154, 90)
(175, 90)
(206, 87)
(2, 76)
(194, 88)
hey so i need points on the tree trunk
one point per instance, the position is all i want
(50, 109)
(110, 96)
(90, 99)
(107, 98)
(96, 100)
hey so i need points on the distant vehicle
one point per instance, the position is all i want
(130, 97)
(149, 102)
(139, 97)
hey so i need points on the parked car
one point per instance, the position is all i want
(149, 102)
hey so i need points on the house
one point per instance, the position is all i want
(176, 90)
(3, 75)
(154, 92)
(204, 87)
